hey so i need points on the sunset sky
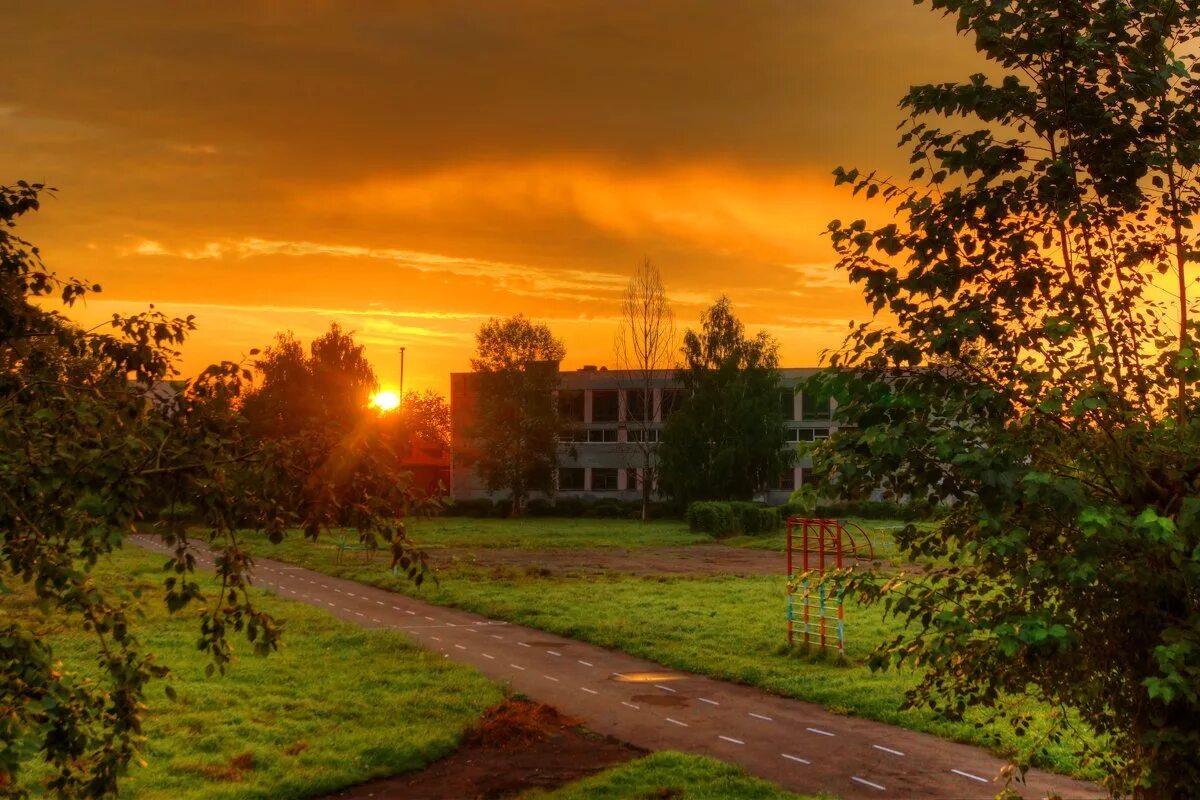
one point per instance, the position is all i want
(411, 168)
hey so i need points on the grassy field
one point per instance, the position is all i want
(726, 627)
(539, 534)
(674, 775)
(336, 706)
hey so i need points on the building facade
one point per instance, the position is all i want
(601, 457)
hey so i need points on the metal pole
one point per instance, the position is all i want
(401, 374)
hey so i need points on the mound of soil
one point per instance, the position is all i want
(516, 746)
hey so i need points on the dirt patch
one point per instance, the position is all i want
(701, 559)
(517, 746)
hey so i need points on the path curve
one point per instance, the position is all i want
(798, 745)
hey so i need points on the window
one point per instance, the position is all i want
(639, 435)
(787, 404)
(631, 480)
(806, 477)
(570, 479)
(604, 479)
(820, 433)
(672, 399)
(787, 480)
(814, 405)
(636, 406)
(602, 435)
(574, 435)
(605, 406)
(570, 404)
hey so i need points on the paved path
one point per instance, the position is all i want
(797, 745)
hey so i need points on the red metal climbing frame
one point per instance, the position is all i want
(823, 544)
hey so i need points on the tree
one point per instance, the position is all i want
(517, 429)
(330, 387)
(89, 449)
(426, 415)
(727, 439)
(1026, 366)
(644, 344)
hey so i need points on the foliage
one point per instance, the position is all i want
(1033, 360)
(710, 516)
(728, 518)
(514, 442)
(865, 509)
(327, 389)
(643, 348)
(93, 441)
(425, 415)
(727, 438)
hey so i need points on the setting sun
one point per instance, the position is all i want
(386, 400)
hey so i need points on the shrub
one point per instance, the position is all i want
(753, 517)
(710, 516)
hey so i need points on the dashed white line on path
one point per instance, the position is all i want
(485, 655)
(589, 691)
(969, 775)
(631, 705)
(762, 716)
(554, 652)
(731, 739)
(820, 732)
(797, 759)
(359, 614)
(380, 603)
(398, 608)
(664, 688)
(865, 782)
(550, 678)
(706, 700)
(887, 749)
(431, 619)
(677, 722)
(460, 647)
(436, 638)
(585, 663)
(523, 644)
(517, 666)
(494, 636)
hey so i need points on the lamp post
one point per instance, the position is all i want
(401, 374)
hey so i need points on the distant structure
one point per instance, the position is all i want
(600, 457)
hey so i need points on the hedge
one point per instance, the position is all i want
(727, 518)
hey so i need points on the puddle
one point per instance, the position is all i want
(672, 700)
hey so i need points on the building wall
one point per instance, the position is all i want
(600, 460)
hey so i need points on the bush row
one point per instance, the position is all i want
(569, 507)
(728, 518)
(867, 509)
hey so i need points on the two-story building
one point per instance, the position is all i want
(603, 410)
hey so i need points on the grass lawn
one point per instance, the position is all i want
(726, 627)
(673, 775)
(336, 706)
(540, 534)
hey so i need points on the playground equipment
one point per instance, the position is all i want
(822, 544)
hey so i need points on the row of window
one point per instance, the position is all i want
(609, 435)
(606, 404)
(605, 479)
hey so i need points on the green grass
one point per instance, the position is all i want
(727, 627)
(539, 534)
(674, 775)
(336, 706)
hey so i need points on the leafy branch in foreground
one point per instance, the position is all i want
(91, 446)
(1032, 364)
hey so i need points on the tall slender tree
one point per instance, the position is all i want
(645, 342)
(1033, 360)
(726, 441)
(517, 430)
